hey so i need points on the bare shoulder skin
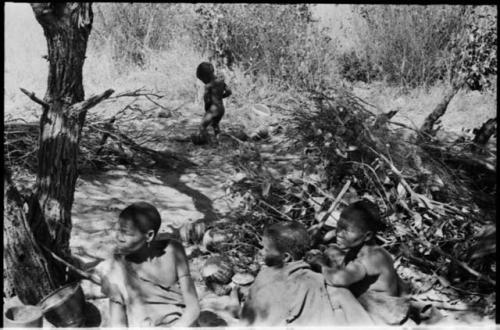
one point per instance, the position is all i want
(377, 261)
(373, 261)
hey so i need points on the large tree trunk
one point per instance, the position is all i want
(66, 27)
(29, 269)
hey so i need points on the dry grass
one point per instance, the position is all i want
(171, 73)
(468, 109)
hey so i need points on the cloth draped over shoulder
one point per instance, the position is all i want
(293, 294)
(147, 302)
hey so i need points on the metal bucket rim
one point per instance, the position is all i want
(76, 286)
(35, 317)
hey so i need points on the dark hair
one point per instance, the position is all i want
(289, 237)
(143, 215)
(205, 72)
(365, 214)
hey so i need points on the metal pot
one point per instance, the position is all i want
(65, 306)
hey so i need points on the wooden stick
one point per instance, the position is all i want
(91, 277)
(275, 210)
(427, 202)
(33, 97)
(334, 204)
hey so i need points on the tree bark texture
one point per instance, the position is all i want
(66, 27)
(26, 270)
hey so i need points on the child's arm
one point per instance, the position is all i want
(227, 92)
(188, 290)
(353, 272)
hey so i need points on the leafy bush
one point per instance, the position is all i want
(407, 45)
(352, 68)
(281, 42)
(476, 49)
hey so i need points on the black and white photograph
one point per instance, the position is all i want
(249, 165)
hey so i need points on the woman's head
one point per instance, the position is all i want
(358, 224)
(284, 242)
(138, 224)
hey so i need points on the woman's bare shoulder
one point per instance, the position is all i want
(375, 255)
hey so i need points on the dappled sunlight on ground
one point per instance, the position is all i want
(99, 199)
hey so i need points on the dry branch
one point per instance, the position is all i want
(438, 112)
(458, 262)
(484, 133)
(33, 97)
(89, 276)
(90, 102)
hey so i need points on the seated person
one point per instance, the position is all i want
(286, 291)
(367, 269)
(147, 280)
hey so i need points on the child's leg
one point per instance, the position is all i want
(207, 119)
(215, 125)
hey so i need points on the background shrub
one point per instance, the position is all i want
(279, 41)
(405, 44)
(131, 30)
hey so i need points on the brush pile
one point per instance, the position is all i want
(120, 136)
(338, 152)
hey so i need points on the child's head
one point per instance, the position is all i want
(358, 224)
(138, 224)
(205, 72)
(284, 242)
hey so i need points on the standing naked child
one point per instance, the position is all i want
(368, 269)
(215, 90)
(148, 281)
(287, 291)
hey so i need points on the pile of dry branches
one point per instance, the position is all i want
(107, 140)
(344, 153)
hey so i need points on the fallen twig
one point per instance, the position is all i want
(332, 207)
(455, 260)
(415, 196)
(275, 210)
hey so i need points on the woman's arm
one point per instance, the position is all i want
(117, 311)
(227, 92)
(188, 290)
